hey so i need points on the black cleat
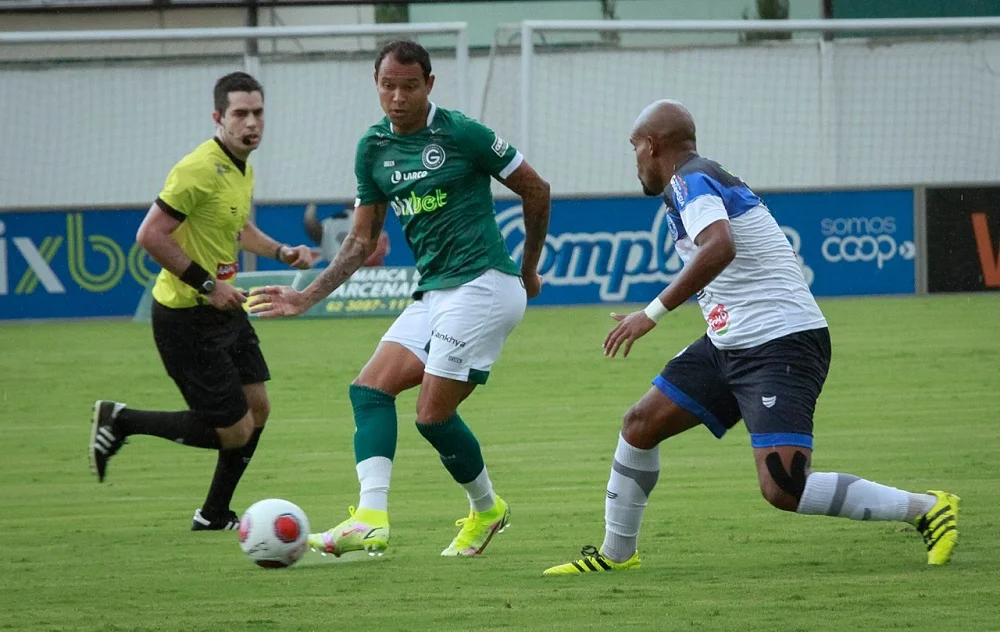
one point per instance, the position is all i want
(228, 521)
(105, 440)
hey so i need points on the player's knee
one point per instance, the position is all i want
(430, 411)
(778, 497)
(638, 429)
(260, 410)
(237, 435)
(780, 486)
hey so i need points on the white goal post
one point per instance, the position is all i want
(789, 103)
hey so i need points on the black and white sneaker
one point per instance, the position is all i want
(105, 440)
(228, 521)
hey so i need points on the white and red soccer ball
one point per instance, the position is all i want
(273, 533)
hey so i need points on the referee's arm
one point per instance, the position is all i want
(155, 235)
(253, 239)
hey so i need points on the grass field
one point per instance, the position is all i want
(912, 401)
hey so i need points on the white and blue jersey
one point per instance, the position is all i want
(762, 294)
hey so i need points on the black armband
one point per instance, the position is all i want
(277, 253)
(195, 276)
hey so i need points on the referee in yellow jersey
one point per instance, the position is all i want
(194, 230)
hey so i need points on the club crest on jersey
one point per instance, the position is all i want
(718, 320)
(433, 157)
(680, 190)
(225, 271)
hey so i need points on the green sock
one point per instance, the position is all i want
(375, 422)
(457, 447)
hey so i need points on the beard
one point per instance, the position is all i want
(648, 191)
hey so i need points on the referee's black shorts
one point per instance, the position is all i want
(210, 354)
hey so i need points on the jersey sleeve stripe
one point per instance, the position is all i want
(512, 166)
(171, 211)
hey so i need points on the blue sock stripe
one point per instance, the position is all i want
(688, 403)
(775, 439)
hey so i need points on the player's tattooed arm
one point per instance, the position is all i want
(536, 202)
(359, 244)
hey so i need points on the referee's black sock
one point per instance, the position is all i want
(180, 427)
(228, 471)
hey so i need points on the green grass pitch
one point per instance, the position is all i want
(912, 401)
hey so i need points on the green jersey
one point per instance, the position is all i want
(437, 182)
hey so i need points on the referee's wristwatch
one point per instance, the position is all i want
(207, 286)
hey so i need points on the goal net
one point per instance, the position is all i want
(784, 104)
(97, 119)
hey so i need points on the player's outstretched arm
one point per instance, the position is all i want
(253, 239)
(279, 300)
(715, 251)
(536, 202)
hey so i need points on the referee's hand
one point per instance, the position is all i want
(226, 297)
(298, 257)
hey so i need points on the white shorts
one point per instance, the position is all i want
(458, 332)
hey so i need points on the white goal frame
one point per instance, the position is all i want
(529, 28)
(245, 34)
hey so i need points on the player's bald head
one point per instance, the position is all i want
(666, 120)
(662, 137)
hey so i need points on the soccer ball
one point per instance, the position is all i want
(273, 533)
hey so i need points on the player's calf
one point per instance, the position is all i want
(215, 513)
(784, 477)
(787, 484)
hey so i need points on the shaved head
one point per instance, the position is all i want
(666, 119)
(663, 135)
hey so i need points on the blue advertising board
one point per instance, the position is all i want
(86, 263)
(849, 243)
(71, 264)
(620, 250)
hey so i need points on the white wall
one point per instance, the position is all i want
(912, 113)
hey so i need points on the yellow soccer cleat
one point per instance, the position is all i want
(593, 562)
(939, 526)
(366, 530)
(478, 529)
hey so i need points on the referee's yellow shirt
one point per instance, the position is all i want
(209, 191)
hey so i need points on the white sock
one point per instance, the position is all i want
(374, 474)
(633, 476)
(847, 496)
(480, 492)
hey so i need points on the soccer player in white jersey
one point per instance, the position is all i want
(764, 359)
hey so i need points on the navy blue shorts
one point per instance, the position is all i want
(773, 387)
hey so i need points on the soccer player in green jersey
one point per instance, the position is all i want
(433, 168)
